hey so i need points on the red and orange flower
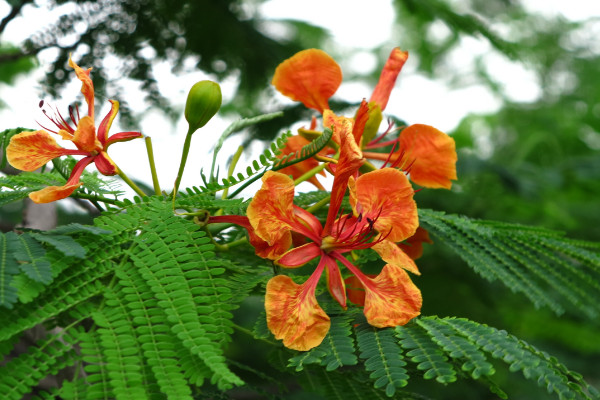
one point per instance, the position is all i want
(312, 77)
(29, 151)
(384, 212)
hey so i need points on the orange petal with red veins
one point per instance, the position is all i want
(87, 87)
(431, 155)
(53, 193)
(28, 151)
(271, 210)
(310, 76)
(293, 313)
(392, 254)
(413, 246)
(388, 76)
(391, 299)
(386, 195)
(85, 135)
(294, 144)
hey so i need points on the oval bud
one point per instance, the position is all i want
(203, 102)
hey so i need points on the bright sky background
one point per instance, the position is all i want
(352, 25)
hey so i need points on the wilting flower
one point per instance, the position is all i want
(312, 77)
(29, 151)
(384, 212)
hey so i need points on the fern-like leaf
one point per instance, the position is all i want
(8, 269)
(548, 269)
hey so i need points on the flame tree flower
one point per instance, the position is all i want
(383, 212)
(29, 151)
(312, 77)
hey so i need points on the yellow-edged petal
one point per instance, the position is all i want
(28, 151)
(391, 299)
(53, 193)
(85, 135)
(87, 87)
(310, 76)
(293, 313)
(386, 195)
(272, 208)
(392, 254)
(431, 155)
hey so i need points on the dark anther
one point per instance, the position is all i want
(41, 103)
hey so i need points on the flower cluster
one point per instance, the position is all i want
(384, 213)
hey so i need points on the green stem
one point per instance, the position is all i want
(95, 198)
(130, 183)
(184, 156)
(150, 152)
(325, 200)
(249, 333)
(234, 161)
(311, 173)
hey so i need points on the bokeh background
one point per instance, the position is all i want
(514, 82)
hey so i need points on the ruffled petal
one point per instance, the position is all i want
(271, 211)
(392, 254)
(293, 313)
(413, 246)
(294, 144)
(310, 76)
(85, 135)
(430, 154)
(87, 86)
(28, 151)
(388, 76)
(391, 299)
(299, 256)
(386, 196)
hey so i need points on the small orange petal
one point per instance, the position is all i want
(431, 155)
(87, 87)
(310, 76)
(293, 313)
(271, 210)
(85, 135)
(391, 299)
(294, 144)
(388, 76)
(28, 151)
(53, 193)
(392, 254)
(387, 196)
(413, 246)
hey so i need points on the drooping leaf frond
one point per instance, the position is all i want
(547, 268)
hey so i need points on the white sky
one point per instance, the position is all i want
(354, 27)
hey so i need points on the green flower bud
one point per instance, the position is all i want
(203, 102)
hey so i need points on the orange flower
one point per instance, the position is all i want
(293, 313)
(312, 77)
(29, 151)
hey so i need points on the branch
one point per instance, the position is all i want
(12, 14)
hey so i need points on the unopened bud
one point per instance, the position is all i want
(203, 102)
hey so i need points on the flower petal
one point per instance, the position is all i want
(293, 313)
(106, 166)
(388, 76)
(392, 254)
(53, 193)
(85, 135)
(386, 196)
(355, 290)
(310, 76)
(413, 246)
(28, 151)
(335, 283)
(391, 299)
(104, 126)
(299, 256)
(87, 87)
(270, 211)
(431, 155)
